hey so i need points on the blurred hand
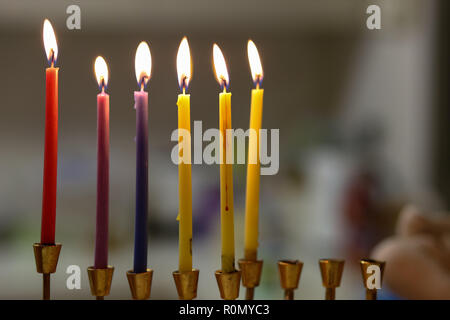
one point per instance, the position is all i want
(417, 257)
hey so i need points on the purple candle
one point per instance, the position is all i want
(143, 68)
(140, 236)
(101, 235)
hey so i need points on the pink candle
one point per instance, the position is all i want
(101, 236)
(51, 138)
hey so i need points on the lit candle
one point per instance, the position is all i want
(51, 138)
(143, 65)
(184, 165)
(226, 168)
(101, 236)
(253, 163)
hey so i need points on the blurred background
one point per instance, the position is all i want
(363, 118)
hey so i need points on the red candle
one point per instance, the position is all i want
(51, 138)
(101, 235)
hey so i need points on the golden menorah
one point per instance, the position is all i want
(46, 258)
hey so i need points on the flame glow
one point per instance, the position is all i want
(101, 72)
(50, 45)
(255, 62)
(143, 63)
(184, 68)
(220, 66)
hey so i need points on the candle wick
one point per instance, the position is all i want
(103, 84)
(184, 83)
(223, 83)
(258, 81)
(52, 58)
(142, 82)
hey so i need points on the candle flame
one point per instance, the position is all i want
(101, 72)
(220, 67)
(255, 63)
(184, 68)
(143, 64)
(50, 45)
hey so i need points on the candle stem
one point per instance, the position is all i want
(330, 294)
(288, 294)
(46, 286)
(371, 294)
(249, 293)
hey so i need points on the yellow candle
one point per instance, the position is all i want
(184, 166)
(226, 169)
(253, 163)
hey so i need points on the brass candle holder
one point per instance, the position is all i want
(290, 271)
(186, 283)
(371, 293)
(251, 275)
(100, 281)
(331, 270)
(229, 284)
(140, 284)
(46, 257)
